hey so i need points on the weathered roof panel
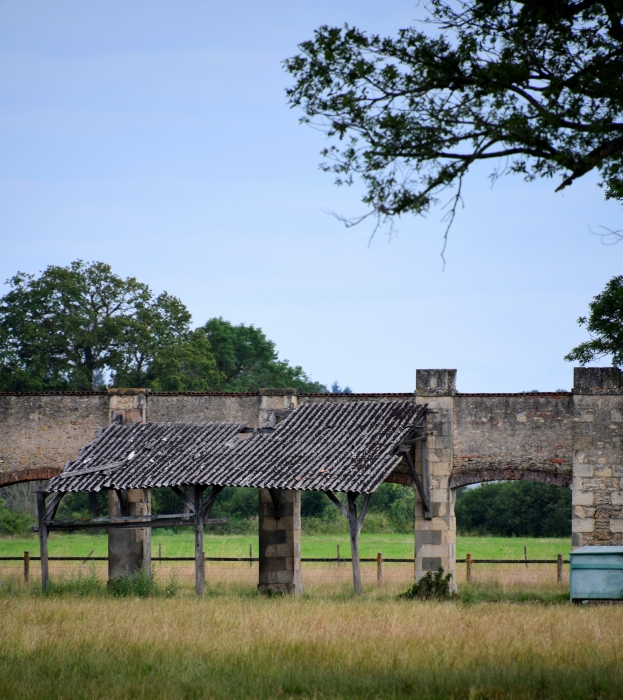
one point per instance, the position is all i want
(320, 446)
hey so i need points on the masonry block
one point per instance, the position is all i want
(280, 543)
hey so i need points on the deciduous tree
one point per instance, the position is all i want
(533, 86)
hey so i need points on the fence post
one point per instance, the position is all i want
(379, 568)
(559, 569)
(525, 555)
(26, 566)
(468, 565)
(250, 556)
(159, 550)
(338, 555)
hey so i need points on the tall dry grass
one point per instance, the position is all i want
(236, 644)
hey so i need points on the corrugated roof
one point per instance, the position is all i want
(324, 446)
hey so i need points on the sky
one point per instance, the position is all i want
(156, 137)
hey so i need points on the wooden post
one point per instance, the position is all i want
(26, 566)
(525, 555)
(199, 553)
(43, 539)
(159, 550)
(338, 555)
(354, 540)
(250, 556)
(559, 569)
(379, 569)
(468, 566)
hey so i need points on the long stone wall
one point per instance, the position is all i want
(572, 439)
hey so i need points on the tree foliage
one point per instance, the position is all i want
(532, 85)
(605, 325)
(514, 509)
(82, 326)
(61, 330)
(249, 361)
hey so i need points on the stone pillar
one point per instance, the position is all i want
(280, 537)
(435, 538)
(280, 543)
(597, 496)
(129, 550)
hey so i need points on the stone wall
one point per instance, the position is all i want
(204, 408)
(40, 432)
(513, 436)
(597, 496)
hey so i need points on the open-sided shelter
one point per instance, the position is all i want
(345, 447)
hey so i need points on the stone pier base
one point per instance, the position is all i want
(129, 550)
(280, 543)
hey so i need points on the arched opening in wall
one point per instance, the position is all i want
(18, 508)
(523, 521)
(518, 508)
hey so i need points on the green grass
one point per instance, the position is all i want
(391, 545)
(247, 646)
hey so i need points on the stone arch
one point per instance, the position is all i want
(17, 477)
(484, 475)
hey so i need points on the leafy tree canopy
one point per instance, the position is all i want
(73, 327)
(605, 325)
(61, 330)
(534, 85)
(249, 361)
(514, 508)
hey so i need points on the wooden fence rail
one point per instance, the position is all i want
(379, 560)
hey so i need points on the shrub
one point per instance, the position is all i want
(12, 523)
(431, 585)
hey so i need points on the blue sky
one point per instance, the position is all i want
(155, 136)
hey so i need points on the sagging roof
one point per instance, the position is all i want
(322, 446)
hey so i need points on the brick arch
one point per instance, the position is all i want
(17, 477)
(483, 475)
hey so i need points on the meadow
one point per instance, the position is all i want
(180, 544)
(327, 644)
(511, 634)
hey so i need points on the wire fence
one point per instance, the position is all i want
(315, 571)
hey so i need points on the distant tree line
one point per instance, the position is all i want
(82, 327)
(514, 509)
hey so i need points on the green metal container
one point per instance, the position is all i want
(596, 573)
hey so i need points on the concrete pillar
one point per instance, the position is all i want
(597, 494)
(129, 550)
(280, 537)
(435, 538)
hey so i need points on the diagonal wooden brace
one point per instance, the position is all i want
(406, 451)
(275, 495)
(188, 502)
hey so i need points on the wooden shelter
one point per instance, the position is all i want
(344, 447)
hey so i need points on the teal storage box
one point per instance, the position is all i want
(596, 573)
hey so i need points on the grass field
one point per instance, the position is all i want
(237, 644)
(392, 546)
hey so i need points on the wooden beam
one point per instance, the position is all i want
(206, 506)
(43, 539)
(354, 539)
(426, 480)
(185, 500)
(52, 507)
(406, 451)
(124, 505)
(176, 520)
(275, 495)
(199, 555)
(364, 511)
(333, 498)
